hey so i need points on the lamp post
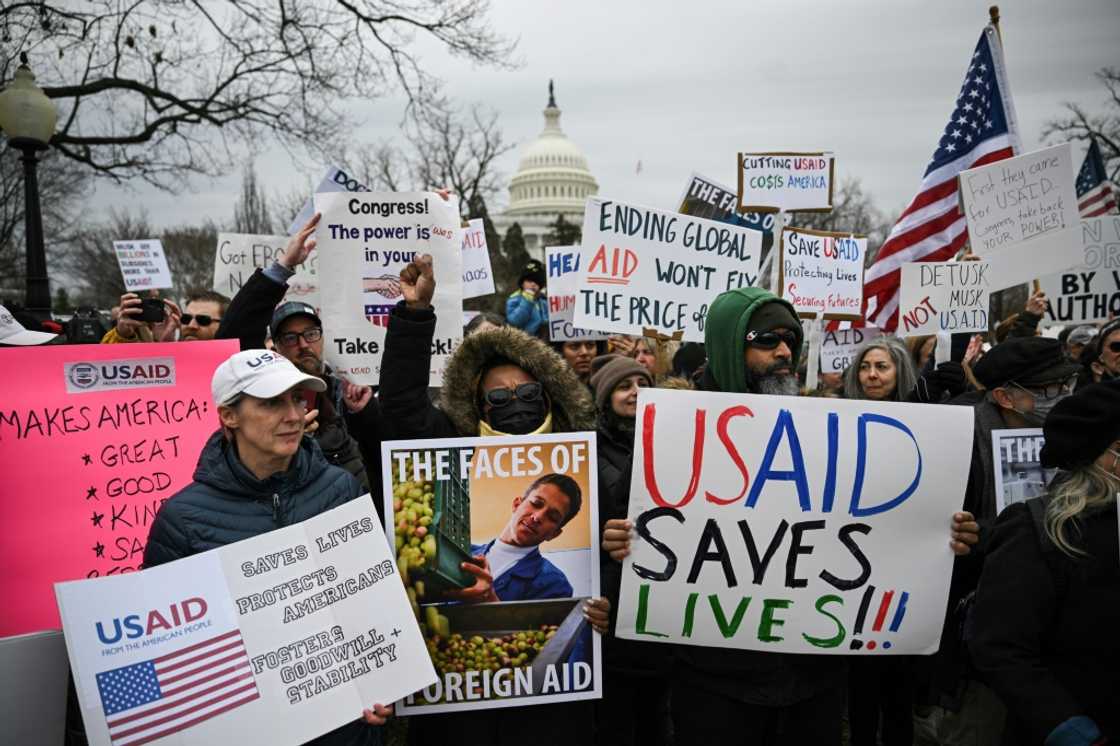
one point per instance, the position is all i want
(28, 119)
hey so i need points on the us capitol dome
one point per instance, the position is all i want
(552, 179)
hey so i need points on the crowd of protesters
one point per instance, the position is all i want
(1029, 651)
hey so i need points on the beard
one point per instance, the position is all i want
(776, 379)
(309, 363)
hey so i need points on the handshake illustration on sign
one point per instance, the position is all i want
(387, 286)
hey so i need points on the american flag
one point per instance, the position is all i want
(158, 697)
(1094, 192)
(982, 129)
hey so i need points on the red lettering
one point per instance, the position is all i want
(697, 458)
(599, 258)
(156, 621)
(721, 430)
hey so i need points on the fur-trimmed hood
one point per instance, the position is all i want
(572, 407)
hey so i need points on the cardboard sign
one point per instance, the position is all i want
(1091, 290)
(777, 523)
(239, 254)
(335, 180)
(93, 439)
(525, 509)
(478, 278)
(839, 347)
(1019, 475)
(790, 182)
(944, 297)
(1026, 205)
(365, 240)
(274, 639)
(822, 273)
(143, 264)
(642, 269)
(563, 269)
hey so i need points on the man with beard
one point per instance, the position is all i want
(199, 321)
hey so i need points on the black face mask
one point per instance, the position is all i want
(518, 417)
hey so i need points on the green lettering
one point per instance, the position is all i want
(729, 629)
(828, 642)
(643, 610)
(767, 622)
(689, 614)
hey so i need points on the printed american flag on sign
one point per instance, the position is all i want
(982, 129)
(153, 699)
(1094, 191)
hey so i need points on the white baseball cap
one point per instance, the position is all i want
(259, 373)
(13, 333)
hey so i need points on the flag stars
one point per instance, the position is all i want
(951, 147)
(983, 67)
(973, 93)
(956, 134)
(968, 106)
(968, 138)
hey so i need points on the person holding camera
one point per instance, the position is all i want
(154, 319)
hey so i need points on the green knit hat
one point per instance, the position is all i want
(733, 314)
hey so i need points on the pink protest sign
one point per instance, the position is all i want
(93, 439)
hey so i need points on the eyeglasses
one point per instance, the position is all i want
(202, 319)
(1049, 390)
(1114, 346)
(770, 340)
(500, 397)
(291, 339)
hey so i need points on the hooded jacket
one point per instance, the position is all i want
(729, 318)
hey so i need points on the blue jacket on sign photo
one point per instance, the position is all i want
(532, 578)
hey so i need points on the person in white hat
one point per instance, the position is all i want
(255, 474)
(13, 333)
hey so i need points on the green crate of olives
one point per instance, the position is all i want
(452, 527)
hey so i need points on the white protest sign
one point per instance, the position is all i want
(239, 254)
(274, 639)
(642, 269)
(335, 180)
(944, 297)
(781, 523)
(790, 182)
(839, 347)
(822, 273)
(1017, 457)
(1090, 291)
(1026, 205)
(143, 264)
(364, 241)
(563, 268)
(478, 278)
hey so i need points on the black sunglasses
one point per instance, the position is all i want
(1114, 346)
(770, 340)
(202, 319)
(291, 339)
(524, 392)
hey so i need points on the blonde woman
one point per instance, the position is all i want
(1047, 610)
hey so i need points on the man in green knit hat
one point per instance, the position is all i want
(753, 339)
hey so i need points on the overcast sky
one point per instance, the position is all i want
(682, 87)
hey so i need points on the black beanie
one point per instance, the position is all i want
(1082, 426)
(534, 271)
(771, 316)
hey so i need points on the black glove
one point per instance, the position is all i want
(934, 384)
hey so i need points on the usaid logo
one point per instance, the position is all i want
(265, 358)
(83, 377)
(134, 626)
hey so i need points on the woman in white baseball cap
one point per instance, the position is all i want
(255, 474)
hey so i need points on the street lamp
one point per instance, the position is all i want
(28, 118)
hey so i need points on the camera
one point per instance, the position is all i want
(151, 309)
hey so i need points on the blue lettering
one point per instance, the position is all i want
(116, 632)
(783, 424)
(861, 465)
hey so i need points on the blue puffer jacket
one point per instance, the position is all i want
(525, 312)
(225, 503)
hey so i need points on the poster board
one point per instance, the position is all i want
(645, 269)
(93, 440)
(563, 267)
(364, 241)
(478, 277)
(33, 688)
(760, 526)
(839, 347)
(944, 297)
(334, 180)
(1026, 205)
(1017, 461)
(274, 639)
(143, 264)
(451, 500)
(238, 255)
(821, 273)
(1090, 291)
(786, 182)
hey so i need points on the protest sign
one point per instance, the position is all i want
(944, 297)
(766, 530)
(1019, 474)
(274, 639)
(143, 264)
(642, 269)
(93, 439)
(787, 182)
(239, 254)
(1090, 290)
(525, 510)
(704, 198)
(335, 180)
(364, 241)
(1027, 205)
(839, 347)
(563, 268)
(822, 273)
(478, 278)
(33, 688)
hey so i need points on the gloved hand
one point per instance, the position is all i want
(934, 384)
